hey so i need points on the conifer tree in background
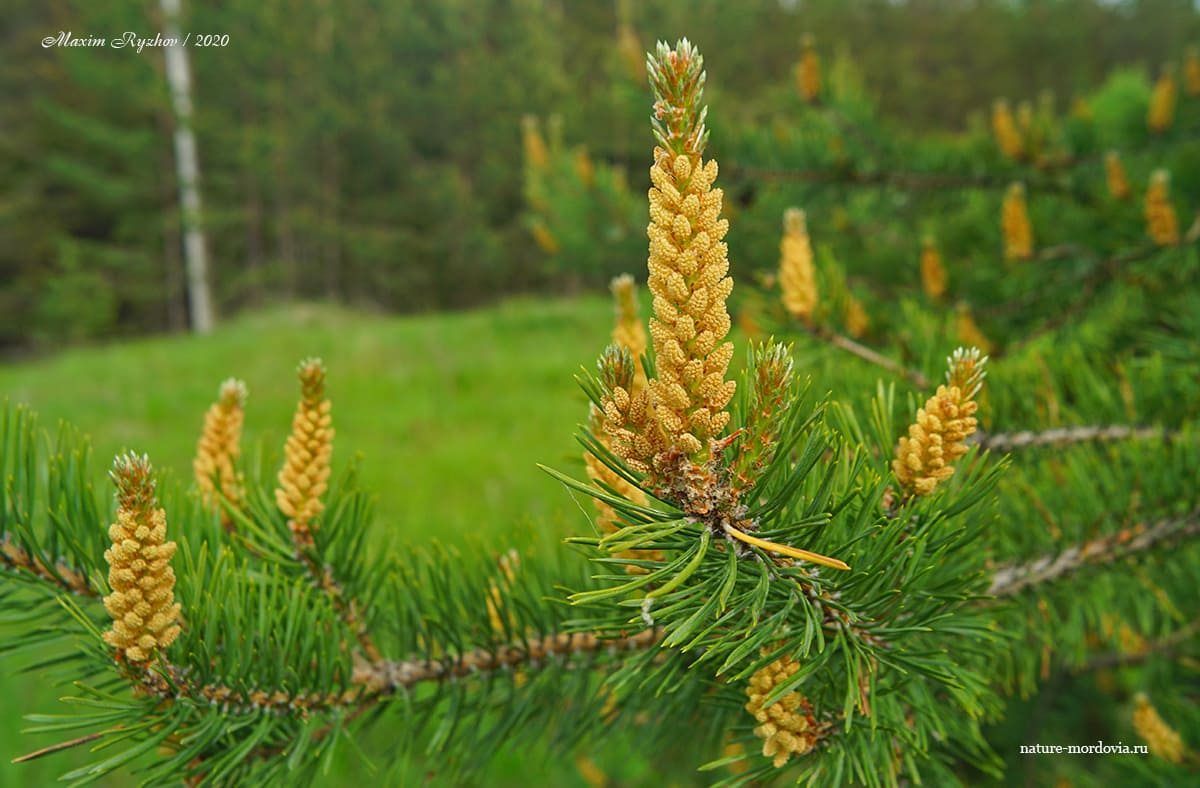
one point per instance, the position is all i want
(778, 586)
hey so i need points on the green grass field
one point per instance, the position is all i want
(449, 412)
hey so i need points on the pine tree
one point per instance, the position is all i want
(839, 589)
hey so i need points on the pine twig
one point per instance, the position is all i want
(1062, 436)
(1164, 646)
(388, 675)
(348, 609)
(65, 745)
(16, 558)
(867, 354)
(905, 181)
(1010, 579)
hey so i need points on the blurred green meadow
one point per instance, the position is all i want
(449, 413)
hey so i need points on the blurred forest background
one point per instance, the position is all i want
(371, 153)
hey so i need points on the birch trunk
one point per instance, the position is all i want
(188, 171)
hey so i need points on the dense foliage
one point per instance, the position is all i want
(372, 154)
(851, 562)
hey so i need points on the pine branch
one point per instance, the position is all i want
(348, 608)
(905, 181)
(17, 559)
(386, 676)
(1063, 436)
(1013, 578)
(1084, 282)
(867, 354)
(1166, 646)
(931, 181)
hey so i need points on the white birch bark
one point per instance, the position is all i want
(187, 168)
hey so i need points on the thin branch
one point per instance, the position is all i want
(65, 745)
(1013, 578)
(17, 559)
(373, 680)
(1083, 282)
(387, 676)
(1165, 646)
(347, 608)
(867, 354)
(1062, 436)
(934, 181)
(906, 181)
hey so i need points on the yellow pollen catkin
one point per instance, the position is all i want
(584, 169)
(1161, 738)
(627, 326)
(688, 263)
(219, 448)
(797, 276)
(544, 238)
(1191, 71)
(969, 333)
(630, 53)
(1161, 223)
(858, 322)
(808, 70)
(1114, 174)
(787, 727)
(304, 477)
(537, 156)
(607, 518)
(938, 436)
(933, 273)
(1004, 128)
(142, 603)
(1161, 113)
(1014, 219)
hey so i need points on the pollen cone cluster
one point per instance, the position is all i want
(787, 727)
(1018, 232)
(627, 327)
(797, 276)
(1114, 173)
(688, 262)
(938, 437)
(1161, 114)
(537, 156)
(629, 335)
(219, 447)
(969, 333)
(1161, 223)
(1191, 71)
(1004, 128)
(544, 237)
(629, 51)
(858, 322)
(808, 70)
(933, 273)
(1161, 738)
(307, 453)
(606, 516)
(142, 603)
